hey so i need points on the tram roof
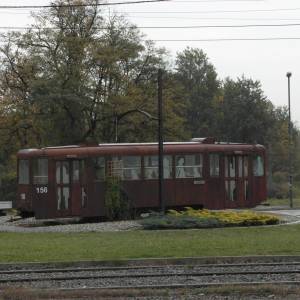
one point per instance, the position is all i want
(73, 151)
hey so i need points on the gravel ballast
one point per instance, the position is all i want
(33, 225)
(12, 224)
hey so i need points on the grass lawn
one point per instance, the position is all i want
(44, 247)
(284, 202)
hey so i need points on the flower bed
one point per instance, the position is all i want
(196, 218)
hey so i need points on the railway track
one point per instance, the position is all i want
(157, 276)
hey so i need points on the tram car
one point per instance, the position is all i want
(70, 181)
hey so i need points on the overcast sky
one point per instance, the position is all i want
(265, 60)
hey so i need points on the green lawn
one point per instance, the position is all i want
(43, 247)
(284, 202)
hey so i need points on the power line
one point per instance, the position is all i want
(216, 26)
(220, 1)
(216, 18)
(180, 17)
(221, 26)
(162, 27)
(79, 5)
(214, 11)
(148, 12)
(228, 39)
(199, 1)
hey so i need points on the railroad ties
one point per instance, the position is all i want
(164, 275)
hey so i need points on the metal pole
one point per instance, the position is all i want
(160, 143)
(289, 74)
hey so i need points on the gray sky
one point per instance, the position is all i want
(264, 60)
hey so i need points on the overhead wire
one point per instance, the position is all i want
(79, 5)
(227, 39)
(217, 18)
(165, 27)
(214, 11)
(179, 27)
(199, 1)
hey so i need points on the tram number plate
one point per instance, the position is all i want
(42, 190)
(199, 182)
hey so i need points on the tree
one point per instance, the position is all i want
(247, 113)
(201, 88)
(74, 73)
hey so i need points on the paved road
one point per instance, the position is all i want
(288, 212)
(290, 215)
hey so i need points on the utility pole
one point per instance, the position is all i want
(160, 143)
(288, 75)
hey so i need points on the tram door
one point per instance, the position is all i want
(236, 180)
(242, 180)
(70, 193)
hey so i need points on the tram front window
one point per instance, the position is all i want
(258, 166)
(40, 171)
(23, 171)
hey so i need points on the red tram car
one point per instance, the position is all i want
(69, 181)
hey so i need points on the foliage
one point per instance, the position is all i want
(8, 187)
(229, 217)
(198, 78)
(179, 222)
(82, 76)
(192, 218)
(240, 98)
(117, 204)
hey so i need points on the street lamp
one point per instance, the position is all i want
(288, 75)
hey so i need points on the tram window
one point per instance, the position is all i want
(58, 172)
(78, 166)
(99, 167)
(246, 190)
(114, 167)
(23, 171)
(40, 171)
(231, 163)
(214, 165)
(151, 166)
(245, 166)
(230, 166)
(167, 166)
(189, 166)
(258, 166)
(65, 172)
(83, 197)
(62, 172)
(63, 195)
(230, 186)
(240, 166)
(131, 167)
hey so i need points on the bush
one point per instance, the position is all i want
(8, 187)
(179, 222)
(117, 203)
(192, 218)
(279, 187)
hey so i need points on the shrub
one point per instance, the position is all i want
(8, 187)
(117, 203)
(192, 218)
(179, 222)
